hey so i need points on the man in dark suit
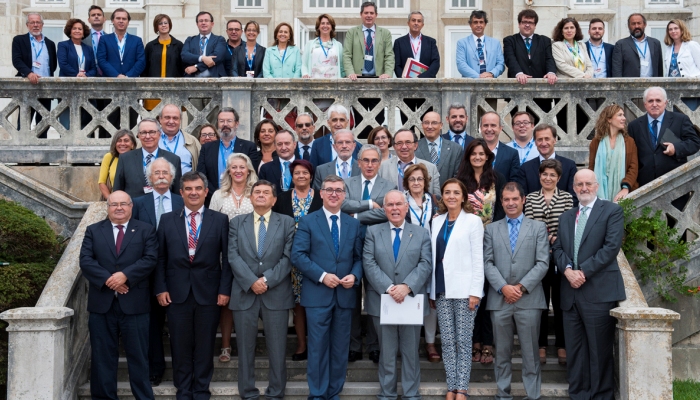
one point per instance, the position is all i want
(260, 245)
(638, 55)
(120, 55)
(323, 151)
(457, 122)
(344, 165)
(205, 54)
(149, 209)
(664, 139)
(599, 52)
(131, 170)
(585, 251)
(327, 250)
(305, 129)
(193, 280)
(443, 153)
(507, 161)
(529, 174)
(117, 256)
(527, 54)
(417, 46)
(277, 171)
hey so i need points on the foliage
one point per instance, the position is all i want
(24, 236)
(655, 250)
(686, 390)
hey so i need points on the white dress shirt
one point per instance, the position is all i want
(330, 227)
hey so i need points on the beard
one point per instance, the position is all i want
(637, 33)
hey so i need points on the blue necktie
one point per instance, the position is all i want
(262, 232)
(654, 132)
(287, 178)
(482, 61)
(335, 234)
(458, 139)
(365, 193)
(397, 243)
(369, 47)
(514, 230)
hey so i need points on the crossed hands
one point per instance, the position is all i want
(399, 292)
(259, 286)
(512, 293)
(117, 282)
(575, 277)
(332, 281)
(164, 299)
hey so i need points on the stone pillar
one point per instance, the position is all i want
(645, 359)
(36, 349)
(242, 101)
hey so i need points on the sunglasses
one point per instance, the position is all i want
(305, 124)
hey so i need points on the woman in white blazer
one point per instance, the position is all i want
(457, 282)
(681, 54)
(569, 51)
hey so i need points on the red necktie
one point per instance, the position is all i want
(120, 238)
(192, 242)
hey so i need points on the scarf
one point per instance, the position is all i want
(610, 167)
(576, 55)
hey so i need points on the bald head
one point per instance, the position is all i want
(432, 125)
(170, 120)
(585, 186)
(119, 207)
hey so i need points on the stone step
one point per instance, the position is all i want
(351, 391)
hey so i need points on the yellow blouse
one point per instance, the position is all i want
(104, 172)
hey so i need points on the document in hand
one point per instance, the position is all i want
(413, 68)
(410, 312)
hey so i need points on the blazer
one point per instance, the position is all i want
(529, 176)
(515, 54)
(507, 162)
(450, 157)
(208, 161)
(652, 161)
(272, 172)
(608, 49)
(321, 152)
(536, 208)
(433, 209)
(208, 275)
(565, 61)
(22, 54)
(275, 264)
(625, 58)
(240, 63)
(311, 45)
(322, 171)
(130, 172)
(137, 258)
(313, 254)
(68, 59)
(688, 59)
(389, 170)
(273, 67)
(463, 262)
(468, 57)
(631, 164)
(284, 205)
(174, 68)
(216, 46)
(131, 64)
(527, 265)
(412, 267)
(597, 254)
(354, 51)
(145, 208)
(353, 203)
(429, 55)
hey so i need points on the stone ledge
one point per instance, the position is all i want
(644, 313)
(29, 319)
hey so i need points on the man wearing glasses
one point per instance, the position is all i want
(405, 144)
(234, 30)
(443, 153)
(523, 124)
(527, 54)
(131, 170)
(304, 127)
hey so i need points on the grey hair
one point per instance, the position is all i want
(367, 147)
(35, 13)
(305, 115)
(155, 121)
(415, 12)
(291, 133)
(149, 168)
(660, 89)
(343, 131)
(403, 196)
(338, 108)
(457, 106)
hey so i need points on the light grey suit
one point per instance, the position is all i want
(323, 170)
(272, 306)
(412, 267)
(450, 157)
(353, 204)
(527, 265)
(389, 171)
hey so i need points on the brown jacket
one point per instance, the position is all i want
(631, 165)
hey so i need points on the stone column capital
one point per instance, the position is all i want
(27, 319)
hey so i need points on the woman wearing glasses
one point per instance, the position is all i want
(381, 137)
(208, 133)
(323, 55)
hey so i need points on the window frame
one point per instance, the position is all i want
(307, 9)
(574, 4)
(138, 24)
(650, 4)
(450, 64)
(450, 9)
(584, 29)
(656, 24)
(124, 4)
(263, 7)
(48, 4)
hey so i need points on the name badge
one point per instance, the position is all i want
(598, 70)
(369, 58)
(644, 63)
(250, 74)
(191, 251)
(147, 189)
(36, 64)
(674, 73)
(482, 62)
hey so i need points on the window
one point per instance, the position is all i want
(53, 29)
(249, 5)
(124, 3)
(50, 3)
(656, 29)
(353, 6)
(588, 3)
(462, 5)
(452, 36)
(584, 29)
(135, 28)
(664, 3)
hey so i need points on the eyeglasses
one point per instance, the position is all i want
(370, 160)
(413, 180)
(330, 191)
(207, 135)
(119, 205)
(527, 23)
(432, 123)
(526, 123)
(203, 20)
(148, 133)
(233, 29)
(406, 143)
(305, 125)
(381, 138)
(344, 142)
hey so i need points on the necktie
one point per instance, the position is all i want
(344, 171)
(458, 139)
(287, 179)
(402, 168)
(527, 46)
(397, 243)
(514, 230)
(262, 232)
(433, 154)
(94, 48)
(482, 61)
(335, 233)
(149, 157)
(369, 47)
(582, 218)
(120, 238)
(192, 237)
(654, 132)
(306, 155)
(160, 211)
(365, 193)
(202, 44)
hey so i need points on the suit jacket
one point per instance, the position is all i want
(597, 254)
(507, 162)
(529, 176)
(137, 258)
(527, 265)
(688, 59)
(450, 157)
(313, 254)
(174, 68)
(631, 163)
(468, 57)
(412, 266)
(208, 162)
(130, 172)
(22, 54)
(429, 55)
(272, 172)
(275, 264)
(354, 51)
(353, 203)
(652, 162)
(541, 62)
(131, 64)
(565, 62)
(389, 170)
(321, 152)
(625, 58)
(284, 205)
(216, 46)
(68, 59)
(240, 64)
(608, 49)
(145, 208)
(329, 168)
(209, 274)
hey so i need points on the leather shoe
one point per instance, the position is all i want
(374, 356)
(354, 356)
(155, 380)
(300, 356)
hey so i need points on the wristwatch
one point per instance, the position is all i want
(522, 289)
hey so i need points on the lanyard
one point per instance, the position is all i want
(424, 212)
(199, 228)
(337, 168)
(600, 54)
(303, 211)
(81, 62)
(646, 47)
(95, 43)
(416, 49)
(144, 161)
(36, 55)
(528, 147)
(222, 152)
(251, 60)
(320, 43)
(203, 46)
(164, 138)
(121, 48)
(283, 54)
(448, 230)
(368, 49)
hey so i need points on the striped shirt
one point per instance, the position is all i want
(536, 208)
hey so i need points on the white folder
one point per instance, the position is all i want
(410, 312)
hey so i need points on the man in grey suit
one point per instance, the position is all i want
(397, 260)
(343, 166)
(260, 245)
(443, 153)
(405, 144)
(638, 55)
(590, 237)
(516, 259)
